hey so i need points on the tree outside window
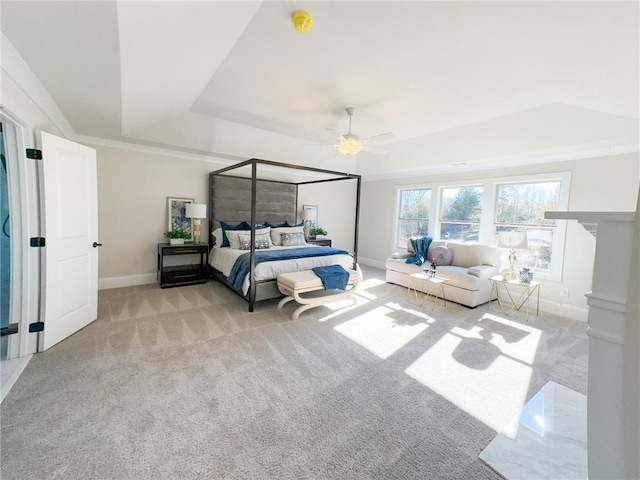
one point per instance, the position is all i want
(414, 215)
(460, 212)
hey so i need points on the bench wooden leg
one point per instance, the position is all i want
(311, 302)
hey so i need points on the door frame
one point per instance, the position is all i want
(25, 222)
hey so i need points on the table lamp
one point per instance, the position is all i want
(196, 211)
(513, 241)
(306, 216)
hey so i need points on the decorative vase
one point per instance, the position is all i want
(526, 275)
(320, 237)
(176, 241)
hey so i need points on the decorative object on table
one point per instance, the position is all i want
(433, 267)
(177, 237)
(526, 275)
(513, 241)
(196, 211)
(177, 215)
(318, 233)
(506, 274)
(310, 218)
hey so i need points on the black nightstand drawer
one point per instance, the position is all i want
(324, 242)
(186, 274)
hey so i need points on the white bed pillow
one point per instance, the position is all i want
(276, 239)
(217, 237)
(234, 236)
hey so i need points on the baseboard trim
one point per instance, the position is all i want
(568, 311)
(371, 262)
(128, 281)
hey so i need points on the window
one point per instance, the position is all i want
(478, 212)
(414, 215)
(460, 212)
(520, 207)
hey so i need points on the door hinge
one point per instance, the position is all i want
(37, 241)
(34, 154)
(9, 330)
(36, 327)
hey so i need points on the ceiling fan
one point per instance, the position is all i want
(350, 143)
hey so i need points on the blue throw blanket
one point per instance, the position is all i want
(241, 267)
(334, 277)
(420, 247)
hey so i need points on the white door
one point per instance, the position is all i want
(70, 205)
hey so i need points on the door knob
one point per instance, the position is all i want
(96, 244)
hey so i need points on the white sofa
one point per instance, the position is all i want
(471, 267)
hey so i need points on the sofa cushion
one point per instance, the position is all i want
(471, 255)
(442, 255)
(400, 265)
(459, 277)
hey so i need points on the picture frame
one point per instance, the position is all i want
(176, 215)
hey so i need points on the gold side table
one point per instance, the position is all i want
(516, 302)
(435, 291)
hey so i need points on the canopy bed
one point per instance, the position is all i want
(253, 229)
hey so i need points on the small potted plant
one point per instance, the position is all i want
(318, 233)
(177, 237)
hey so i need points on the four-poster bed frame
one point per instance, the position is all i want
(229, 206)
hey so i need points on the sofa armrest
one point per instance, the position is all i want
(399, 255)
(484, 271)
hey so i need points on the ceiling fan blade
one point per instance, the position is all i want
(336, 133)
(380, 138)
(379, 151)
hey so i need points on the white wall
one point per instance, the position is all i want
(597, 184)
(336, 203)
(132, 209)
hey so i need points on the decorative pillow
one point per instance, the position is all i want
(228, 227)
(263, 241)
(443, 255)
(234, 237)
(217, 237)
(277, 225)
(275, 233)
(292, 239)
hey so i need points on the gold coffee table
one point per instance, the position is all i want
(435, 291)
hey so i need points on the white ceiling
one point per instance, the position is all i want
(478, 83)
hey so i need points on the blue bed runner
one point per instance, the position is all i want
(334, 277)
(241, 267)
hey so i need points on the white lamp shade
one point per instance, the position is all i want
(306, 214)
(513, 240)
(196, 210)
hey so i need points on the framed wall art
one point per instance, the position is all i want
(177, 218)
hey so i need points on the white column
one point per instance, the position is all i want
(607, 317)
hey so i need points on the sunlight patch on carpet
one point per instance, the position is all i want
(484, 369)
(380, 331)
(368, 283)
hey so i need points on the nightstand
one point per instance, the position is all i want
(177, 275)
(325, 242)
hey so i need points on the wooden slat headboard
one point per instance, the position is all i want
(230, 201)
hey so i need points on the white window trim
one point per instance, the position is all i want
(489, 186)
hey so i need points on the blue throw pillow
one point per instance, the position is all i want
(227, 226)
(277, 225)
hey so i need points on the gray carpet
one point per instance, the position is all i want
(185, 383)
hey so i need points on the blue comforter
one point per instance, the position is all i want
(241, 267)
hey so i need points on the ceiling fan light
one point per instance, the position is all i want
(349, 146)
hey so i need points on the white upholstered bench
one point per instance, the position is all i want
(296, 283)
